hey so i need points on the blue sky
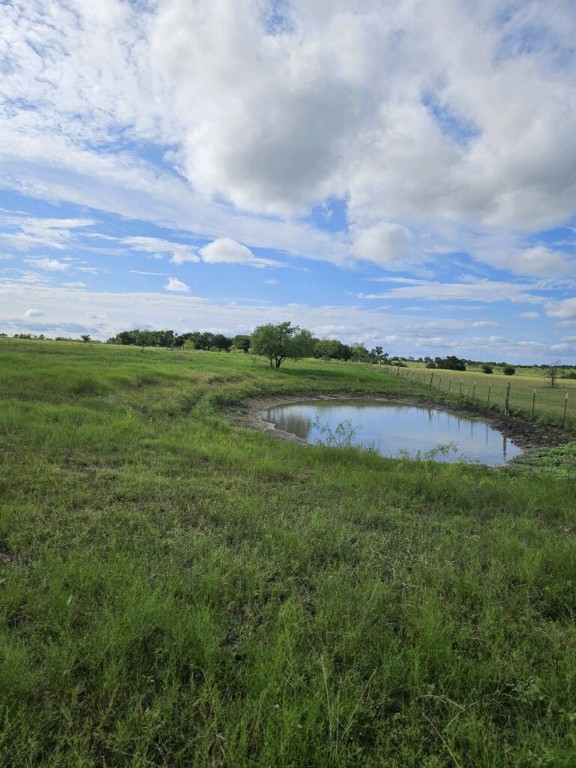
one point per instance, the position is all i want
(397, 173)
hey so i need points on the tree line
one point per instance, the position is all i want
(277, 342)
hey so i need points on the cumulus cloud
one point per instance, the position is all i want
(562, 310)
(382, 243)
(176, 286)
(34, 313)
(418, 115)
(542, 261)
(227, 251)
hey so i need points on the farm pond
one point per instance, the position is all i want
(394, 430)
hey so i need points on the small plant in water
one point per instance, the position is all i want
(342, 436)
(442, 449)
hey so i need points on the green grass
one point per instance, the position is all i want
(530, 392)
(178, 591)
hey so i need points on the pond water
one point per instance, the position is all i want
(395, 430)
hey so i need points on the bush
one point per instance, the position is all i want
(487, 368)
(508, 370)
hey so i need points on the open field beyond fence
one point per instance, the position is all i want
(527, 395)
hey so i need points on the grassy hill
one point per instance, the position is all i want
(176, 590)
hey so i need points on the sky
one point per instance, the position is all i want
(399, 173)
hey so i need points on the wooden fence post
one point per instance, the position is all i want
(507, 401)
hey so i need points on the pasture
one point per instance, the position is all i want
(178, 590)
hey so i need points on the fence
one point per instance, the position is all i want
(540, 403)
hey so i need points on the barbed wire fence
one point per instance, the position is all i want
(545, 403)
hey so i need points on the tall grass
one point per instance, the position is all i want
(178, 591)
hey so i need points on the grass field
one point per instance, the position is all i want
(179, 591)
(530, 392)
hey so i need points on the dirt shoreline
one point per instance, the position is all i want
(527, 435)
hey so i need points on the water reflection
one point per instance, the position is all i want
(396, 430)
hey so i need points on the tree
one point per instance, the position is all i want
(451, 363)
(359, 353)
(280, 341)
(551, 372)
(241, 342)
(221, 343)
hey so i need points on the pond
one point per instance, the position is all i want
(395, 430)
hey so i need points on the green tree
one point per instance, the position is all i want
(450, 363)
(280, 341)
(221, 343)
(359, 353)
(241, 342)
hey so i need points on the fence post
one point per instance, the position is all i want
(507, 401)
(431, 377)
(488, 401)
(533, 403)
(473, 390)
(449, 384)
(565, 407)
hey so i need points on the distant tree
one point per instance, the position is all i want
(164, 339)
(329, 349)
(451, 363)
(241, 342)
(221, 343)
(281, 341)
(487, 368)
(85, 337)
(430, 364)
(359, 353)
(376, 353)
(508, 370)
(552, 372)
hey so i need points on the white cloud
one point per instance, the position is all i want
(49, 265)
(227, 251)
(562, 310)
(417, 113)
(543, 261)
(178, 252)
(34, 313)
(482, 290)
(485, 324)
(382, 243)
(175, 285)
